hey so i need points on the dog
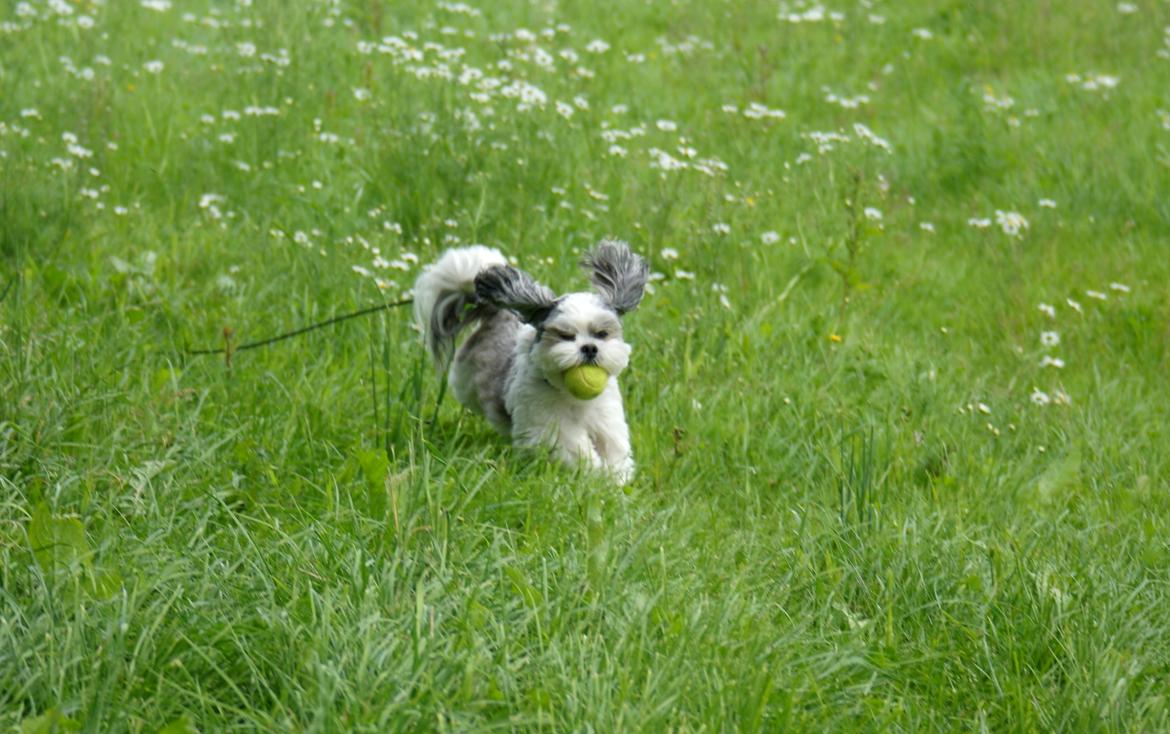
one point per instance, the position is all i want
(511, 366)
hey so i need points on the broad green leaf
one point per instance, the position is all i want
(50, 722)
(56, 541)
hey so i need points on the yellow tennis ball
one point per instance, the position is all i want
(586, 381)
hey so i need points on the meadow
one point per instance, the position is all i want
(898, 392)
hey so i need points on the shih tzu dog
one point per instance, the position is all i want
(541, 368)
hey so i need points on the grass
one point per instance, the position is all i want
(852, 511)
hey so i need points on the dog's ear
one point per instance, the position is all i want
(618, 275)
(506, 287)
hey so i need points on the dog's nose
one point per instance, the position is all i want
(589, 350)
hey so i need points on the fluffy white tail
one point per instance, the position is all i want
(445, 291)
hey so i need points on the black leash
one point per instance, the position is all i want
(228, 349)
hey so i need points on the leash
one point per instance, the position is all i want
(228, 349)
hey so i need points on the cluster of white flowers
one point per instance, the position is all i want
(827, 141)
(1012, 224)
(815, 14)
(686, 47)
(1050, 339)
(1093, 82)
(848, 103)
(997, 104)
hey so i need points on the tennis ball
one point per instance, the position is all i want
(585, 381)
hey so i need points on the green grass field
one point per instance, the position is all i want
(898, 397)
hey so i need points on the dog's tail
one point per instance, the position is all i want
(444, 297)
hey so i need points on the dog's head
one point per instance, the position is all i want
(577, 328)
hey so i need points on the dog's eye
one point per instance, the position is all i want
(603, 334)
(564, 336)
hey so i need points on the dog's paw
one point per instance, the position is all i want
(622, 473)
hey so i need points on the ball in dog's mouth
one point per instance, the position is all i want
(585, 381)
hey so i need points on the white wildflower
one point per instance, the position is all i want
(1049, 338)
(770, 237)
(208, 200)
(1048, 310)
(757, 111)
(870, 137)
(1013, 224)
(1039, 397)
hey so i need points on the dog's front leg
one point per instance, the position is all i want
(570, 443)
(574, 449)
(613, 446)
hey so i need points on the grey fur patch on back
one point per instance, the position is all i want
(618, 275)
(506, 287)
(483, 367)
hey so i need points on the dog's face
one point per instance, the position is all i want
(578, 328)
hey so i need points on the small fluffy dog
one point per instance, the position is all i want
(511, 368)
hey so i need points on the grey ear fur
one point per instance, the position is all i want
(618, 275)
(506, 287)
